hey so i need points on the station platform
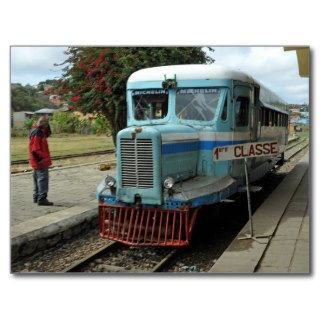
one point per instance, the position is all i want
(71, 189)
(280, 229)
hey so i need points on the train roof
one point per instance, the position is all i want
(272, 107)
(189, 72)
(207, 72)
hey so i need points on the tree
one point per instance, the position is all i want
(26, 98)
(94, 79)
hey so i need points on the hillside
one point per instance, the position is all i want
(29, 98)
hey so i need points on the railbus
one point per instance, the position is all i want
(177, 116)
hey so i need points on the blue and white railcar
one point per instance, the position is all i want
(166, 171)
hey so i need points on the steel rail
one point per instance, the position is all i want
(76, 155)
(295, 152)
(77, 265)
(291, 146)
(165, 261)
(82, 262)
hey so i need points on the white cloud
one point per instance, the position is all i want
(34, 64)
(275, 68)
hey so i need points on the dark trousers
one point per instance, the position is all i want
(40, 184)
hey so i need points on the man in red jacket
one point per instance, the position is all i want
(40, 160)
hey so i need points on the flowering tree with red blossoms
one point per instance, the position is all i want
(94, 79)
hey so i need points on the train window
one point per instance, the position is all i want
(256, 93)
(197, 103)
(224, 113)
(150, 104)
(260, 115)
(270, 118)
(242, 111)
(266, 117)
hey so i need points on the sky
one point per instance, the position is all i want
(30, 65)
(272, 66)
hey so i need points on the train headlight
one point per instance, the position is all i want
(110, 181)
(168, 183)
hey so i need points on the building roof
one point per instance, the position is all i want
(46, 110)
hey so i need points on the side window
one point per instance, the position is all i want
(256, 93)
(260, 115)
(224, 114)
(242, 111)
(270, 118)
(266, 119)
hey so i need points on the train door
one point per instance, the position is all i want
(243, 131)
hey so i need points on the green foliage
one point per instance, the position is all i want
(28, 123)
(95, 79)
(26, 98)
(19, 132)
(100, 125)
(84, 126)
(63, 122)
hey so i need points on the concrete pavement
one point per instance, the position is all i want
(75, 208)
(67, 187)
(283, 222)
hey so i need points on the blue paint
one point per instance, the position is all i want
(171, 148)
(209, 145)
(180, 147)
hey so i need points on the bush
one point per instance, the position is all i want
(63, 122)
(18, 132)
(100, 125)
(84, 126)
(28, 123)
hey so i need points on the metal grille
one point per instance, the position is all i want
(147, 227)
(136, 163)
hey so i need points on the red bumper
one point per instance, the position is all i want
(147, 227)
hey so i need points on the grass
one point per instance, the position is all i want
(63, 144)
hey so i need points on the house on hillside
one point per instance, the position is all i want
(45, 112)
(18, 118)
(56, 100)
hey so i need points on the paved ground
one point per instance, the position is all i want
(282, 221)
(67, 188)
(288, 251)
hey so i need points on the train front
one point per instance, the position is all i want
(151, 200)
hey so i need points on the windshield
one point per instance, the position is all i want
(197, 103)
(150, 104)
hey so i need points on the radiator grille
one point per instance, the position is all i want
(136, 163)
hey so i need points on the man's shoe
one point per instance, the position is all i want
(45, 202)
(35, 200)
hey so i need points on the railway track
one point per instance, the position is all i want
(109, 151)
(102, 263)
(292, 150)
